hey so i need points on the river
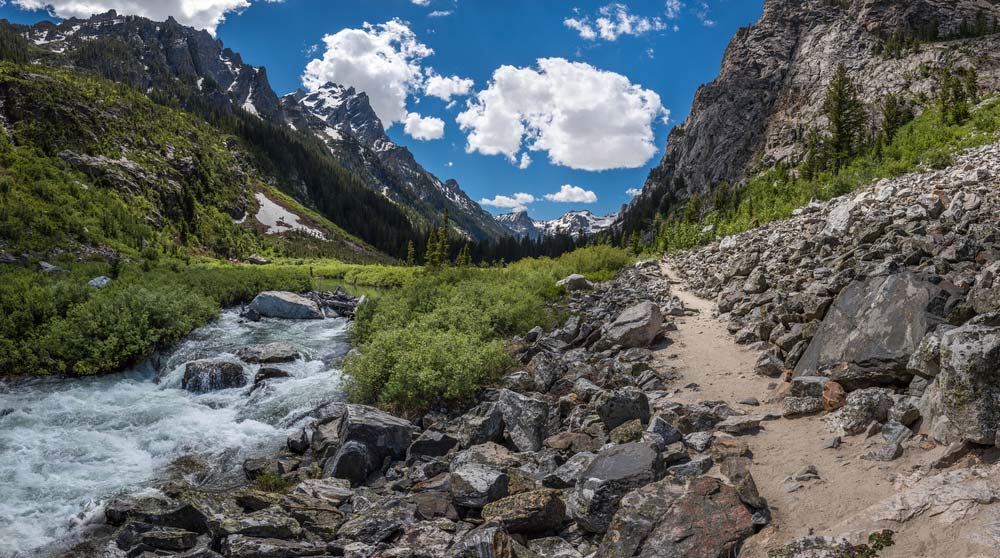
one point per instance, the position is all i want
(66, 445)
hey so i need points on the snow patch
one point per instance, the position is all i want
(278, 220)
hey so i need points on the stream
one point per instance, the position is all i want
(66, 445)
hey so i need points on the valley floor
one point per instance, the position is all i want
(850, 491)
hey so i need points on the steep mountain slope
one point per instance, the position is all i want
(172, 62)
(94, 166)
(774, 74)
(344, 119)
(574, 223)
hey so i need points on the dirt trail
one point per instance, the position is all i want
(702, 352)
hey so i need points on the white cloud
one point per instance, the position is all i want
(525, 161)
(674, 8)
(633, 192)
(421, 2)
(451, 105)
(703, 14)
(449, 164)
(572, 194)
(201, 14)
(583, 117)
(516, 201)
(445, 88)
(423, 129)
(613, 21)
(440, 13)
(382, 60)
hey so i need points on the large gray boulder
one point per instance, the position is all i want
(367, 438)
(613, 473)
(637, 326)
(985, 294)
(268, 353)
(202, 376)
(620, 406)
(525, 419)
(969, 380)
(575, 282)
(475, 485)
(873, 328)
(281, 304)
(701, 519)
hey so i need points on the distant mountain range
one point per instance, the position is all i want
(574, 223)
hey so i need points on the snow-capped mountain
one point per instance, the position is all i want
(344, 119)
(574, 223)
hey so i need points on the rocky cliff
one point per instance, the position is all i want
(774, 74)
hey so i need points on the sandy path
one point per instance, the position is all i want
(703, 352)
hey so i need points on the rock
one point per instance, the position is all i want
(808, 386)
(268, 353)
(49, 269)
(704, 519)
(474, 485)
(431, 443)
(351, 462)
(202, 376)
(240, 546)
(969, 381)
(637, 326)
(834, 396)
(832, 443)
(380, 519)
(926, 359)
(807, 473)
(862, 407)
(631, 431)
(170, 539)
(270, 523)
(905, 411)
(575, 282)
(552, 547)
(489, 453)
(740, 424)
(698, 441)
(620, 406)
(256, 259)
(482, 424)
(737, 470)
(666, 431)
(100, 282)
(269, 373)
(872, 329)
(525, 419)
(489, 540)
(613, 473)
(567, 474)
(985, 294)
(801, 406)
(697, 466)
(895, 434)
(156, 508)
(532, 512)
(724, 447)
(769, 365)
(285, 305)
(259, 466)
(385, 436)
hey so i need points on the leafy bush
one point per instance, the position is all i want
(440, 337)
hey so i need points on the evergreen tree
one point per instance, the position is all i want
(894, 114)
(13, 47)
(432, 259)
(465, 258)
(411, 254)
(846, 116)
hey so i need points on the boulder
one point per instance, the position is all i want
(637, 326)
(268, 353)
(271, 523)
(613, 473)
(431, 443)
(861, 409)
(269, 373)
(365, 438)
(620, 406)
(875, 325)
(202, 376)
(575, 282)
(969, 380)
(703, 519)
(241, 546)
(285, 305)
(769, 365)
(99, 282)
(525, 419)
(532, 512)
(567, 474)
(985, 294)
(475, 485)
(489, 540)
(484, 423)
(351, 462)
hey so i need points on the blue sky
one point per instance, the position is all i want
(664, 47)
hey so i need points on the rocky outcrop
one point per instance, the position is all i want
(774, 75)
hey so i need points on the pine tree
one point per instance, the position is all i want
(431, 259)
(465, 258)
(411, 254)
(894, 114)
(846, 116)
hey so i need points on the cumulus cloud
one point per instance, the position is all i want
(583, 117)
(440, 13)
(201, 14)
(525, 161)
(572, 194)
(613, 21)
(424, 3)
(674, 8)
(445, 88)
(382, 60)
(423, 128)
(633, 192)
(517, 202)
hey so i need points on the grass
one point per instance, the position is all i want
(58, 324)
(441, 337)
(927, 142)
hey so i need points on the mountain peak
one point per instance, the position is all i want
(575, 223)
